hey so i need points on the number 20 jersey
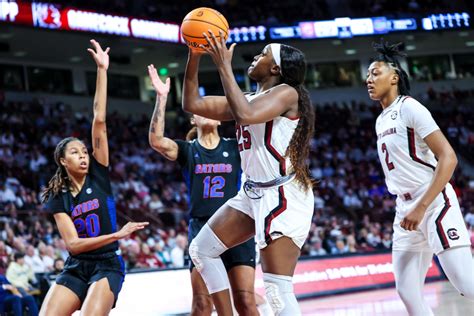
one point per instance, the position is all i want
(407, 161)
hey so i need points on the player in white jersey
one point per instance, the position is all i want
(274, 127)
(418, 163)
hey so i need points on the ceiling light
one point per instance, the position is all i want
(173, 65)
(410, 47)
(350, 51)
(19, 53)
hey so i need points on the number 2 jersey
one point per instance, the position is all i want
(92, 210)
(407, 161)
(212, 175)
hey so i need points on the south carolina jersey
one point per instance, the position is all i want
(212, 175)
(407, 161)
(92, 210)
(263, 147)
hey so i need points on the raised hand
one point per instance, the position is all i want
(129, 228)
(220, 54)
(162, 89)
(100, 56)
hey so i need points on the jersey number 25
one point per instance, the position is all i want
(243, 137)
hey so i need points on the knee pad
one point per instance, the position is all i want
(204, 251)
(205, 245)
(279, 293)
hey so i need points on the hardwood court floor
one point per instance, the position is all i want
(441, 296)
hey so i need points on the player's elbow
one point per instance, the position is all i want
(158, 145)
(72, 248)
(99, 119)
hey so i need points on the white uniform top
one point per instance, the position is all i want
(406, 159)
(263, 147)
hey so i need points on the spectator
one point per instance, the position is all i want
(20, 275)
(15, 302)
(34, 260)
(177, 253)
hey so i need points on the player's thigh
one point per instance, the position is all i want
(99, 300)
(232, 226)
(280, 256)
(59, 301)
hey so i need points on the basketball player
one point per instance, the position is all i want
(211, 168)
(80, 196)
(418, 162)
(274, 127)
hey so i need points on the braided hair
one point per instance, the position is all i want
(60, 179)
(389, 54)
(293, 71)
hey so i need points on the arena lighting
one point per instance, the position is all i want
(347, 27)
(446, 21)
(52, 16)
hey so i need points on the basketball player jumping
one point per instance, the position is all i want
(274, 127)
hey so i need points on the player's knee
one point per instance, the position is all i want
(244, 303)
(202, 305)
(194, 254)
(279, 292)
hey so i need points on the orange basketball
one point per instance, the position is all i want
(201, 20)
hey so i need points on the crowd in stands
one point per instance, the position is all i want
(353, 210)
(257, 12)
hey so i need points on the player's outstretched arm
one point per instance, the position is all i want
(100, 144)
(214, 107)
(76, 245)
(164, 145)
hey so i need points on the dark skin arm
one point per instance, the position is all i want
(447, 162)
(214, 107)
(281, 100)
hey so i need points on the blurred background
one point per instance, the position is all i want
(47, 83)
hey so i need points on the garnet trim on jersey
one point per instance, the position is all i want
(412, 148)
(281, 207)
(272, 150)
(439, 227)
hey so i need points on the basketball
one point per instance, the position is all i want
(201, 20)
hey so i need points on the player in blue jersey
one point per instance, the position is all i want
(80, 197)
(211, 169)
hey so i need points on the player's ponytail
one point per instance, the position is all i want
(293, 69)
(192, 133)
(60, 180)
(389, 54)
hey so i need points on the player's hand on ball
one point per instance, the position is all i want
(413, 219)
(221, 55)
(162, 89)
(129, 228)
(100, 56)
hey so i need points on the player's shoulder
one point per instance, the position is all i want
(413, 103)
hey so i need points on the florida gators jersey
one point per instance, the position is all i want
(263, 147)
(407, 161)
